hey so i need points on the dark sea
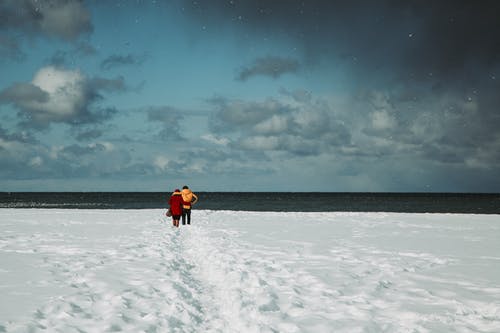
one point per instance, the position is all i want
(265, 201)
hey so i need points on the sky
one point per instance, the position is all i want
(328, 96)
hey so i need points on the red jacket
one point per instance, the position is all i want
(175, 203)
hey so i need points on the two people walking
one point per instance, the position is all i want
(180, 205)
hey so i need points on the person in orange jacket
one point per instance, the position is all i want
(176, 204)
(189, 199)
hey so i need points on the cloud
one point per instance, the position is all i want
(260, 143)
(443, 129)
(376, 127)
(234, 115)
(456, 41)
(19, 137)
(274, 125)
(221, 141)
(89, 134)
(223, 161)
(54, 95)
(121, 60)
(57, 95)
(96, 159)
(22, 156)
(64, 58)
(299, 95)
(110, 85)
(297, 128)
(89, 149)
(169, 118)
(431, 70)
(271, 66)
(24, 94)
(64, 19)
(25, 159)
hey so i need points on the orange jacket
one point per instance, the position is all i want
(189, 198)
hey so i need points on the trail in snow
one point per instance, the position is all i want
(131, 271)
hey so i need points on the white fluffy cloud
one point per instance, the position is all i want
(65, 90)
(60, 95)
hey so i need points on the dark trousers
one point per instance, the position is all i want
(186, 212)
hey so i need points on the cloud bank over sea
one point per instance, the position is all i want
(247, 95)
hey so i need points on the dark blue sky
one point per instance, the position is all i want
(250, 95)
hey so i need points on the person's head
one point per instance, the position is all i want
(177, 190)
(185, 187)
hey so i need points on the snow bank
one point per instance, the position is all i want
(130, 270)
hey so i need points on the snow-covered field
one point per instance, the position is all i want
(129, 270)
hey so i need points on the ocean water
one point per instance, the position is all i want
(265, 201)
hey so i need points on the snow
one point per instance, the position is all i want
(64, 270)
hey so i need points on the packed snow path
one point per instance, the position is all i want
(131, 271)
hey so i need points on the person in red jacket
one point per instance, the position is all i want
(175, 203)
